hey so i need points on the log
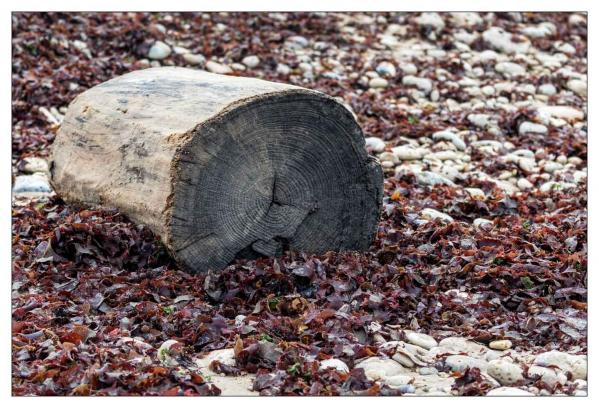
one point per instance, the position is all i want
(220, 167)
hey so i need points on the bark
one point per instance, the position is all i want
(221, 167)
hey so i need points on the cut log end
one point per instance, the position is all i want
(221, 167)
(287, 171)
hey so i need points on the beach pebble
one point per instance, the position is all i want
(386, 69)
(505, 372)
(421, 339)
(35, 183)
(547, 89)
(335, 364)
(378, 83)
(510, 69)
(35, 165)
(375, 144)
(482, 223)
(433, 20)
(424, 84)
(251, 61)
(500, 345)
(430, 178)
(578, 86)
(503, 41)
(450, 137)
(576, 364)
(432, 214)
(159, 50)
(194, 59)
(217, 68)
(530, 127)
(461, 363)
(408, 153)
(377, 368)
(524, 184)
(549, 376)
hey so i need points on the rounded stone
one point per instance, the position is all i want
(194, 59)
(375, 144)
(500, 344)
(549, 376)
(421, 339)
(378, 82)
(36, 183)
(159, 50)
(334, 363)
(251, 61)
(505, 372)
(378, 368)
(217, 68)
(461, 363)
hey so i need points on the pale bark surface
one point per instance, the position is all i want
(221, 167)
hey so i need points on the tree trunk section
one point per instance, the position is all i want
(221, 167)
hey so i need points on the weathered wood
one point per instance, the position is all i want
(221, 167)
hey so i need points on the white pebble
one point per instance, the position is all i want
(547, 89)
(500, 345)
(217, 68)
(35, 183)
(194, 59)
(451, 137)
(510, 69)
(334, 363)
(378, 82)
(283, 69)
(432, 214)
(387, 69)
(421, 339)
(530, 127)
(378, 368)
(482, 223)
(578, 86)
(524, 184)
(502, 40)
(424, 84)
(505, 372)
(408, 153)
(159, 50)
(251, 61)
(35, 165)
(409, 68)
(375, 144)
(549, 376)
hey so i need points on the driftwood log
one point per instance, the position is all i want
(220, 167)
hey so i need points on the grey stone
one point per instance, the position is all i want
(461, 363)
(334, 363)
(377, 368)
(251, 61)
(159, 50)
(430, 178)
(432, 214)
(194, 59)
(375, 144)
(505, 372)
(217, 68)
(35, 183)
(501, 40)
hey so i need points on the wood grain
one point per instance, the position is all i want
(221, 167)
